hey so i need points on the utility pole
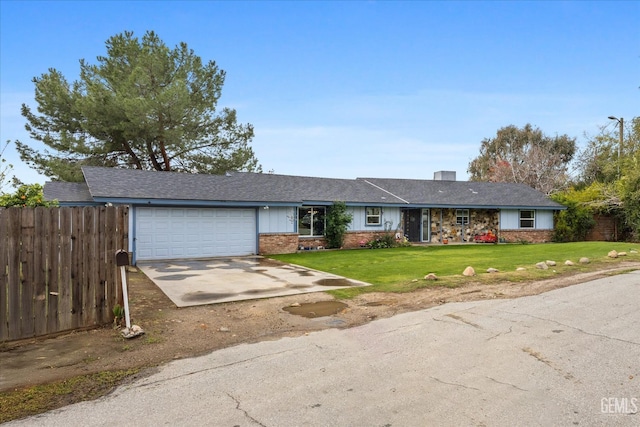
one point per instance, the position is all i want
(621, 123)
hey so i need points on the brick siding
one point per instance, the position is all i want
(532, 236)
(284, 243)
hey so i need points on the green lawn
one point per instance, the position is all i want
(403, 269)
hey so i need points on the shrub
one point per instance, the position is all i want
(338, 220)
(387, 239)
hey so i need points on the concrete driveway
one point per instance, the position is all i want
(200, 282)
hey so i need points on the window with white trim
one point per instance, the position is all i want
(462, 216)
(373, 216)
(311, 221)
(527, 219)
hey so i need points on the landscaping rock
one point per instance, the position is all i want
(550, 263)
(612, 254)
(521, 269)
(469, 271)
(492, 270)
(633, 251)
(542, 266)
(584, 260)
(569, 262)
(431, 276)
(622, 254)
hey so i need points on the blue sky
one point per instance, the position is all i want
(363, 88)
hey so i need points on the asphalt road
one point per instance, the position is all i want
(565, 357)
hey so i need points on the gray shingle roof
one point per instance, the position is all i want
(123, 185)
(465, 193)
(77, 192)
(232, 187)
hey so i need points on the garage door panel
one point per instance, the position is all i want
(166, 233)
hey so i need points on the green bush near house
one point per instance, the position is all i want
(338, 220)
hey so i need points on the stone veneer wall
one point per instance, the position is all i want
(480, 221)
(531, 236)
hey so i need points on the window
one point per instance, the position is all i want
(462, 216)
(527, 219)
(374, 216)
(311, 221)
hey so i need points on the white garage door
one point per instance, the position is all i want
(175, 233)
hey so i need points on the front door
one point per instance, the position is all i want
(426, 226)
(411, 224)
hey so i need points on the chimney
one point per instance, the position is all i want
(444, 176)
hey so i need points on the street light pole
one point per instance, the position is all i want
(621, 123)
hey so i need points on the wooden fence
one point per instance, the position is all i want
(57, 268)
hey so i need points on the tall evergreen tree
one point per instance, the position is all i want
(142, 106)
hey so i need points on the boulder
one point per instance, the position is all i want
(622, 254)
(431, 276)
(633, 251)
(521, 269)
(584, 260)
(492, 270)
(550, 263)
(569, 262)
(469, 271)
(542, 266)
(612, 254)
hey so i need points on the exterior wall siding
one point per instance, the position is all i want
(277, 219)
(390, 215)
(443, 224)
(510, 219)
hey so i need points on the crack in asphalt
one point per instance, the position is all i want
(539, 357)
(238, 362)
(463, 320)
(573, 327)
(509, 384)
(400, 328)
(501, 333)
(246, 414)
(454, 384)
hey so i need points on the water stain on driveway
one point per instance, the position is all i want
(210, 281)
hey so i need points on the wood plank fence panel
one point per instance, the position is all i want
(40, 271)
(65, 279)
(13, 266)
(26, 271)
(4, 278)
(77, 270)
(53, 270)
(57, 268)
(111, 241)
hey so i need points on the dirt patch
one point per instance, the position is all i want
(316, 309)
(174, 333)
